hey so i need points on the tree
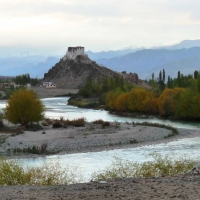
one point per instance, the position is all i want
(24, 107)
(167, 101)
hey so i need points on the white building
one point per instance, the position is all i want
(51, 86)
(73, 52)
(46, 84)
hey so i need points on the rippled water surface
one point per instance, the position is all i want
(93, 161)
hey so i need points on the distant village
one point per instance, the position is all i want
(21, 81)
(13, 85)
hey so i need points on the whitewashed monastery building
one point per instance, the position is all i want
(73, 52)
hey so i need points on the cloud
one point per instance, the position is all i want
(97, 24)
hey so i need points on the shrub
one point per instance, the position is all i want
(158, 167)
(99, 121)
(33, 127)
(133, 141)
(57, 124)
(103, 123)
(76, 122)
(12, 173)
(43, 148)
(1, 121)
(24, 107)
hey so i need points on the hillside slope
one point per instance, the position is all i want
(73, 73)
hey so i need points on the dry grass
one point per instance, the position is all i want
(103, 123)
(64, 123)
(158, 167)
(12, 173)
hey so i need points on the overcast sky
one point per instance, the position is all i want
(52, 25)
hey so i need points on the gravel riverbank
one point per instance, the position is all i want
(96, 138)
(92, 137)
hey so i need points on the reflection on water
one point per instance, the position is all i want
(57, 107)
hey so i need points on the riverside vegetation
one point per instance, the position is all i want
(179, 98)
(13, 173)
(159, 166)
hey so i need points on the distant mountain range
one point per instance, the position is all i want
(36, 66)
(111, 54)
(147, 61)
(184, 56)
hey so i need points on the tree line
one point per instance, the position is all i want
(178, 98)
(24, 79)
(99, 87)
(160, 83)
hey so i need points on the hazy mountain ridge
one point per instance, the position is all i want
(34, 65)
(145, 62)
(183, 44)
(131, 49)
(111, 54)
(131, 59)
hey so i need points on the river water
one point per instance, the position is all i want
(93, 161)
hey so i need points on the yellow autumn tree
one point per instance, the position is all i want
(24, 107)
(167, 101)
(122, 102)
(150, 104)
(136, 98)
(111, 98)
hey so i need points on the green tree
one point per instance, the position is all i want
(24, 107)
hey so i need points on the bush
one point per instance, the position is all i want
(76, 122)
(158, 167)
(33, 127)
(57, 124)
(103, 123)
(32, 150)
(99, 121)
(1, 121)
(12, 173)
(24, 107)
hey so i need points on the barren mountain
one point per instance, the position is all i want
(73, 73)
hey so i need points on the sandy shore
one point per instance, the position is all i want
(96, 138)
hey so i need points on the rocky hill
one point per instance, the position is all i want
(73, 73)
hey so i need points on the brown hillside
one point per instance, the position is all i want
(73, 73)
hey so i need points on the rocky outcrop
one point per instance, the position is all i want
(73, 73)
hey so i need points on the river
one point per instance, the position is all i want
(93, 161)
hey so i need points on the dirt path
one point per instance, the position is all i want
(175, 187)
(47, 93)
